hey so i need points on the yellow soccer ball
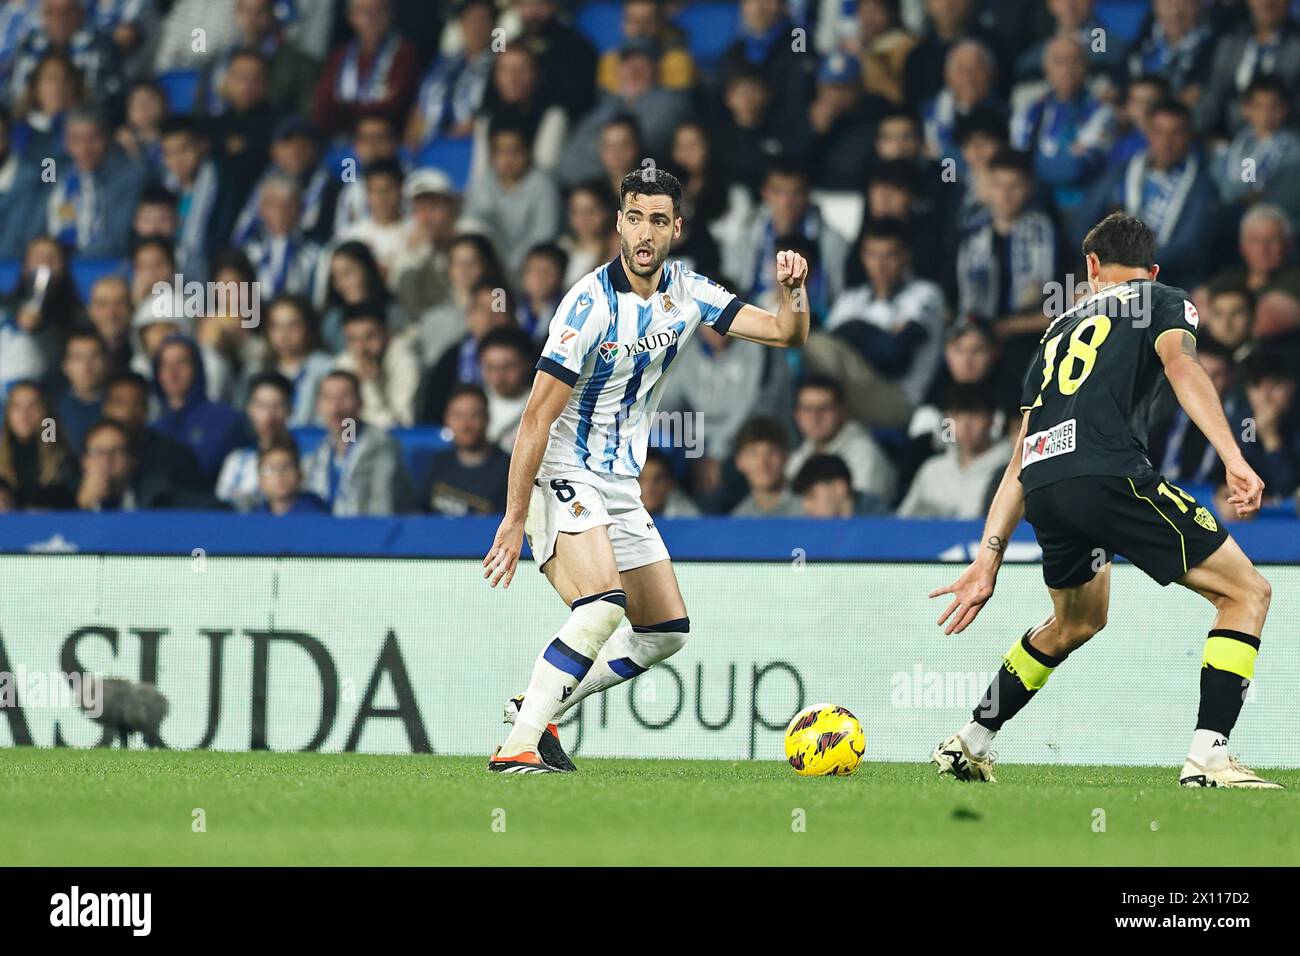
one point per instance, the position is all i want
(824, 740)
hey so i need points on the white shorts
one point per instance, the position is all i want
(577, 500)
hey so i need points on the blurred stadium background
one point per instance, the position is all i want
(210, 208)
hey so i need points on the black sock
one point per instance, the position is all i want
(1024, 671)
(1226, 670)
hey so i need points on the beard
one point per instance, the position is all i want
(657, 257)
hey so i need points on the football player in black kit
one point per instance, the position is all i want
(1081, 477)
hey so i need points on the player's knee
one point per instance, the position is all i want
(661, 641)
(1258, 593)
(1080, 629)
(593, 618)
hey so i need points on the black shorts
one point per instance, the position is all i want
(1081, 523)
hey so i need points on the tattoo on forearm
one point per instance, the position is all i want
(996, 544)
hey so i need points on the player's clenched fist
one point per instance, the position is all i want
(791, 269)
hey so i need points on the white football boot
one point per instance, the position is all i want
(952, 757)
(1234, 773)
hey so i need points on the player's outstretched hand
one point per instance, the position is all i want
(501, 561)
(1245, 488)
(791, 269)
(970, 593)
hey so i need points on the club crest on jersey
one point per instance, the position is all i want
(667, 303)
(1205, 519)
(577, 509)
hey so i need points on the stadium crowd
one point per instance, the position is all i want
(407, 188)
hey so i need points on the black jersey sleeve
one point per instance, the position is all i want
(1171, 311)
(1032, 381)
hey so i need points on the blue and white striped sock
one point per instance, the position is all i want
(563, 664)
(630, 652)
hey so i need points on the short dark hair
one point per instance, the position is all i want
(894, 229)
(84, 332)
(281, 441)
(1014, 160)
(552, 251)
(272, 380)
(162, 242)
(504, 121)
(107, 424)
(386, 166)
(134, 379)
(366, 310)
(786, 164)
(981, 120)
(510, 337)
(899, 113)
(1215, 291)
(762, 429)
(179, 124)
(1121, 240)
(1264, 363)
(467, 388)
(659, 457)
(901, 173)
(627, 120)
(347, 376)
(820, 469)
(1266, 83)
(156, 194)
(822, 383)
(1173, 106)
(651, 181)
(960, 397)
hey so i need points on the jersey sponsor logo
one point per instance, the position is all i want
(610, 351)
(1190, 314)
(652, 342)
(1205, 519)
(1057, 440)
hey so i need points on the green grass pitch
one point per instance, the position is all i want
(112, 807)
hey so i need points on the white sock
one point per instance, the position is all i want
(628, 653)
(1209, 749)
(563, 664)
(977, 738)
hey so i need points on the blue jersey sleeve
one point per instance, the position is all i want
(576, 329)
(718, 306)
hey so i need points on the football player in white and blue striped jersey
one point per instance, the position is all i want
(573, 474)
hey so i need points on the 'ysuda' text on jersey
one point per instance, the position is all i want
(615, 348)
(1091, 388)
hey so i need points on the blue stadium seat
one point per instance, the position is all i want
(334, 158)
(452, 156)
(10, 271)
(181, 87)
(1123, 18)
(709, 28)
(86, 272)
(418, 446)
(601, 23)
